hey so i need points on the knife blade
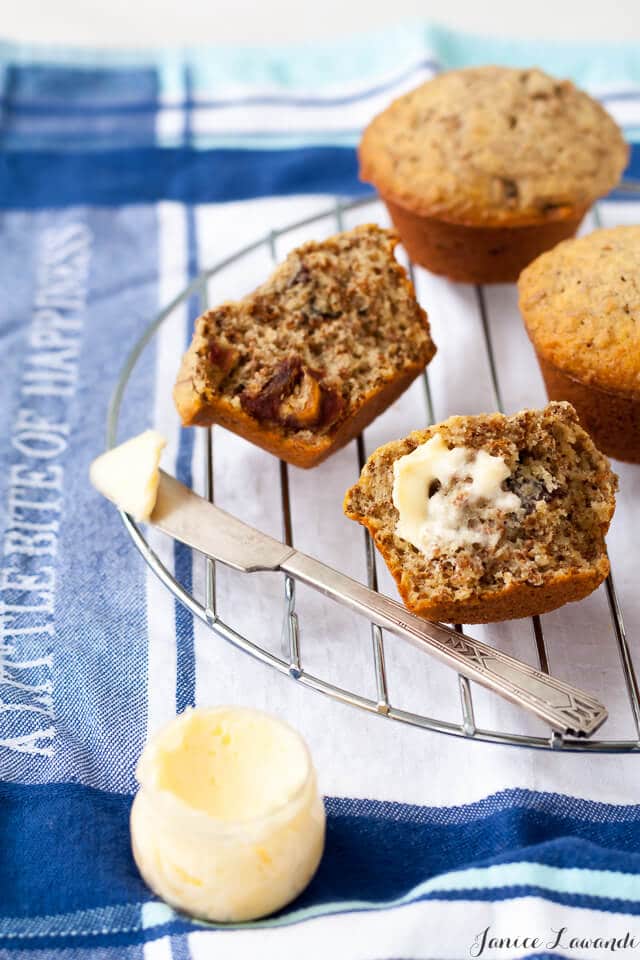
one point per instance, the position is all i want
(189, 518)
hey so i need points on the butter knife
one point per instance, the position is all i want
(187, 517)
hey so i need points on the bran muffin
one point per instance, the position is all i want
(581, 307)
(307, 361)
(482, 169)
(535, 544)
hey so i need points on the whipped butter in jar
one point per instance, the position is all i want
(228, 824)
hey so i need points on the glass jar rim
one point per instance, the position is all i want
(171, 805)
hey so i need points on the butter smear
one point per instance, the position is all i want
(445, 498)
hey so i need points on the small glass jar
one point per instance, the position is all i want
(228, 824)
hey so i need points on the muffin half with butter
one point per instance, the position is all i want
(483, 169)
(485, 518)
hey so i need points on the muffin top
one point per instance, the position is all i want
(489, 145)
(581, 305)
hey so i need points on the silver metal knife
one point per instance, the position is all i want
(185, 516)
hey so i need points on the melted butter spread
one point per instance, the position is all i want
(449, 497)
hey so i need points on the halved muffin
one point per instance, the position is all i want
(489, 517)
(307, 361)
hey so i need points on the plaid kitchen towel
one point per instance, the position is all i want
(121, 175)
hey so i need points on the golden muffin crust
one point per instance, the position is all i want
(581, 306)
(490, 145)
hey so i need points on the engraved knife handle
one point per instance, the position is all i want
(564, 707)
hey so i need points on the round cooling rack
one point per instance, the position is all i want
(290, 660)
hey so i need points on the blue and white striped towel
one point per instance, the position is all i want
(120, 175)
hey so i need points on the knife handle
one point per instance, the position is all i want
(564, 707)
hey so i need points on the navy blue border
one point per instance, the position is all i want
(145, 175)
(65, 847)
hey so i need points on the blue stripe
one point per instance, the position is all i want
(145, 175)
(375, 853)
(185, 651)
(544, 956)
(180, 948)
(186, 663)
(539, 802)
(133, 136)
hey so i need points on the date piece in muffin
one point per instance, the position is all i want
(482, 169)
(581, 307)
(485, 518)
(308, 360)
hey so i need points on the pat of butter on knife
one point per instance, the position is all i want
(128, 474)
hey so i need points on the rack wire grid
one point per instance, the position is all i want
(289, 658)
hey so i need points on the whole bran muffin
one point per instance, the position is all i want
(546, 543)
(482, 169)
(304, 363)
(581, 307)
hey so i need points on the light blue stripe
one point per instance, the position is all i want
(354, 60)
(156, 914)
(569, 881)
(594, 65)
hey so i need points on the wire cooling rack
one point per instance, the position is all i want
(290, 658)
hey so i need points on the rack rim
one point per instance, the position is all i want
(291, 666)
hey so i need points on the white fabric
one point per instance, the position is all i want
(424, 930)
